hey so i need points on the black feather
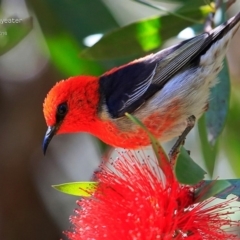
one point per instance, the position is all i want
(117, 86)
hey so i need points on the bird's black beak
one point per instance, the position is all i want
(51, 131)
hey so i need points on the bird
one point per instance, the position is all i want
(164, 90)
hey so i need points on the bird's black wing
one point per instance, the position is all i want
(122, 90)
(128, 87)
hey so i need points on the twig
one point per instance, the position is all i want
(209, 23)
(165, 10)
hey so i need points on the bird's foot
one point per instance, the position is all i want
(176, 147)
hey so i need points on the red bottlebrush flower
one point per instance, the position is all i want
(135, 201)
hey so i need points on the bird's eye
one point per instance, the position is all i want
(62, 109)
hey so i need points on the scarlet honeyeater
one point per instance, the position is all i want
(162, 90)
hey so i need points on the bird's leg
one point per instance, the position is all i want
(175, 149)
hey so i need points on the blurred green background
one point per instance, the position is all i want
(32, 62)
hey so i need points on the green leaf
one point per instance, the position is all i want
(64, 35)
(15, 32)
(142, 36)
(155, 144)
(209, 152)
(215, 118)
(231, 137)
(186, 170)
(233, 188)
(157, 148)
(64, 53)
(218, 106)
(82, 189)
(212, 188)
(219, 189)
